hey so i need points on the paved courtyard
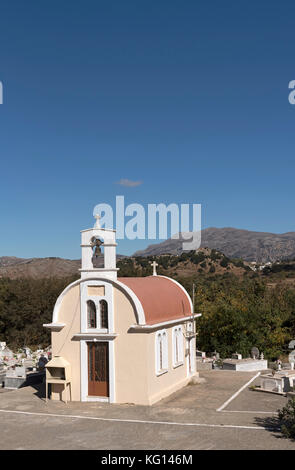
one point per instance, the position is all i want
(188, 419)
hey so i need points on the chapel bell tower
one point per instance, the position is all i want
(98, 252)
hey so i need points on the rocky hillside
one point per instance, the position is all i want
(232, 244)
(235, 243)
(186, 264)
(204, 261)
(38, 267)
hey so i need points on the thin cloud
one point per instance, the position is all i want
(129, 183)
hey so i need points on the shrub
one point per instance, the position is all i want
(287, 419)
(239, 263)
(215, 255)
(224, 262)
(198, 257)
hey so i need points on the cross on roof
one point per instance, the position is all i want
(97, 223)
(154, 265)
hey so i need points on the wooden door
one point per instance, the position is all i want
(98, 369)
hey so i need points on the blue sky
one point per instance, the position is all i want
(191, 98)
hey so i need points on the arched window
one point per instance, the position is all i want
(161, 352)
(177, 342)
(91, 314)
(104, 322)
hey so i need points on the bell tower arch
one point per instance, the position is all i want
(98, 252)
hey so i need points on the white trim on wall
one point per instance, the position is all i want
(130, 294)
(161, 346)
(98, 335)
(190, 345)
(145, 328)
(108, 297)
(177, 346)
(84, 372)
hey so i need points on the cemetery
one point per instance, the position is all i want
(279, 382)
(237, 363)
(281, 379)
(26, 367)
(246, 364)
(22, 368)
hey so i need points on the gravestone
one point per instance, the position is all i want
(237, 356)
(255, 353)
(292, 359)
(15, 377)
(6, 352)
(214, 354)
(20, 371)
(28, 352)
(277, 382)
(200, 354)
(244, 365)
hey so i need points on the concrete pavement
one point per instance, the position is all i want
(186, 420)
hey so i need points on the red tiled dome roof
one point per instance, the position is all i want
(162, 298)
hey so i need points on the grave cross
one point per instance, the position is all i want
(154, 265)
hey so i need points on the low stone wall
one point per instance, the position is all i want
(18, 382)
(14, 382)
(203, 365)
(245, 366)
(285, 365)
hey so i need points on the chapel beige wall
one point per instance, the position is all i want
(167, 383)
(63, 345)
(130, 354)
(135, 371)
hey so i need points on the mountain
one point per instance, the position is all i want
(13, 267)
(36, 268)
(261, 247)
